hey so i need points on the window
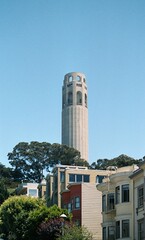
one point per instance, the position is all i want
(99, 178)
(78, 78)
(79, 178)
(32, 192)
(72, 203)
(64, 206)
(63, 100)
(86, 178)
(140, 230)
(79, 84)
(140, 196)
(77, 202)
(104, 203)
(71, 177)
(70, 78)
(125, 193)
(117, 194)
(77, 222)
(117, 229)
(104, 233)
(70, 98)
(69, 207)
(79, 98)
(111, 233)
(44, 193)
(125, 228)
(86, 100)
(62, 177)
(110, 201)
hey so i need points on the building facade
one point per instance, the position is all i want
(74, 188)
(118, 205)
(63, 175)
(84, 201)
(138, 178)
(28, 189)
(75, 113)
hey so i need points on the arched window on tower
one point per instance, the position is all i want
(79, 98)
(63, 100)
(86, 101)
(78, 78)
(70, 98)
(70, 78)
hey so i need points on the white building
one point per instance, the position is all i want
(28, 189)
(118, 205)
(75, 113)
(138, 178)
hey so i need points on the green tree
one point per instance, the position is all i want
(3, 192)
(63, 154)
(14, 213)
(31, 159)
(8, 178)
(120, 161)
(5, 172)
(20, 217)
(75, 233)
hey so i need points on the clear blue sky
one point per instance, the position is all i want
(41, 41)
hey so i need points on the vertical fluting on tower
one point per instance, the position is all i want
(75, 113)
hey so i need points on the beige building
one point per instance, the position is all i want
(32, 189)
(28, 189)
(75, 113)
(138, 178)
(65, 177)
(118, 204)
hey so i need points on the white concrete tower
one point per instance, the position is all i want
(75, 113)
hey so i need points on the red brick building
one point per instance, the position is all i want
(71, 200)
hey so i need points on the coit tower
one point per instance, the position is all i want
(75, 113)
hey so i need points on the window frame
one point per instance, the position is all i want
(31, 192)
(117, 195)
(140, 198)
(140, 229)
(125, 228)
(104, 231)
(71, 175)
(104, 207)
(86, 178)
(125, 193)
(69, 207)
(111, 232)
(62, 177)
(117, 229)
(99, 178)
(77, 202)
(74, 178)
(110, 201)
(79, 178)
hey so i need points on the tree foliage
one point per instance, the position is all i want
(31, 159)
(50, 229)
(75, 233)
(9, 178)
(120, 161)
(3, 192)
(20, 217)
